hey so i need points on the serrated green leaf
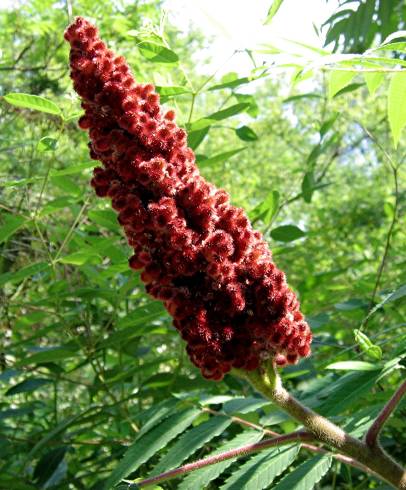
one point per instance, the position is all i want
(190, 442)
(354, 366)
(287, 233)
(261, 470)
(340, 394)
(10, 226)
(151, 443)
(34, 102)
(201, 478)
(305, 476)
(396, 105)
(244, 405)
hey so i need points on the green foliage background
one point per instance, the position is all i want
(91, 369)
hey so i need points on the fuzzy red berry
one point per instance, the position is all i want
(196, 252)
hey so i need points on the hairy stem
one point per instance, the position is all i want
(324, 431)
(372, 435)
(305, 445)
(241, 451)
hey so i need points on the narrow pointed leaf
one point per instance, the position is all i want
(201, 478)
(34, 102)
(190, 442)
(305, 476)
(150, 444)
(261, 470)
(396, 105)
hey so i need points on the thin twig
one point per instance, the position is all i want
(241, 451)
(394, 169)
(372, 436)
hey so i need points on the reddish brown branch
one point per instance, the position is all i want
(241, 451)
(372, 435)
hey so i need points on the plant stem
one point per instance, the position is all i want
(309, 447)
(372, 435)
(241, 451)
(269, 384)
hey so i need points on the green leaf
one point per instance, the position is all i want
(354, 366)
(218, 116)
(244, 405)
(220, 158)
(373, 81)
(349, 88)
(47, 144)
(58, 429)
(351, 304)
(105, 218)
(246, 134)
(273, 9)
(49, 355)
(81, 257)
(396, 105)
(155, 414)
(34, 102)
(337, 80)
(261, 470)
(74, 169)
(233, 83)
(150, 444)
(12, 223)
(194, 138)
(372, 351)
(252, 108)
(340, 394)
(305, 476)
(399, 293)
(191, 441)
(201, 478)
(48, 465)
(157, 53)
(172, 91)
(17, 276)
(28, 385)
(308, 186)
(309, 95)
(287, 233)
(266, 210)
(395, 295)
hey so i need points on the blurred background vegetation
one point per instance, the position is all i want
(89, 364)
